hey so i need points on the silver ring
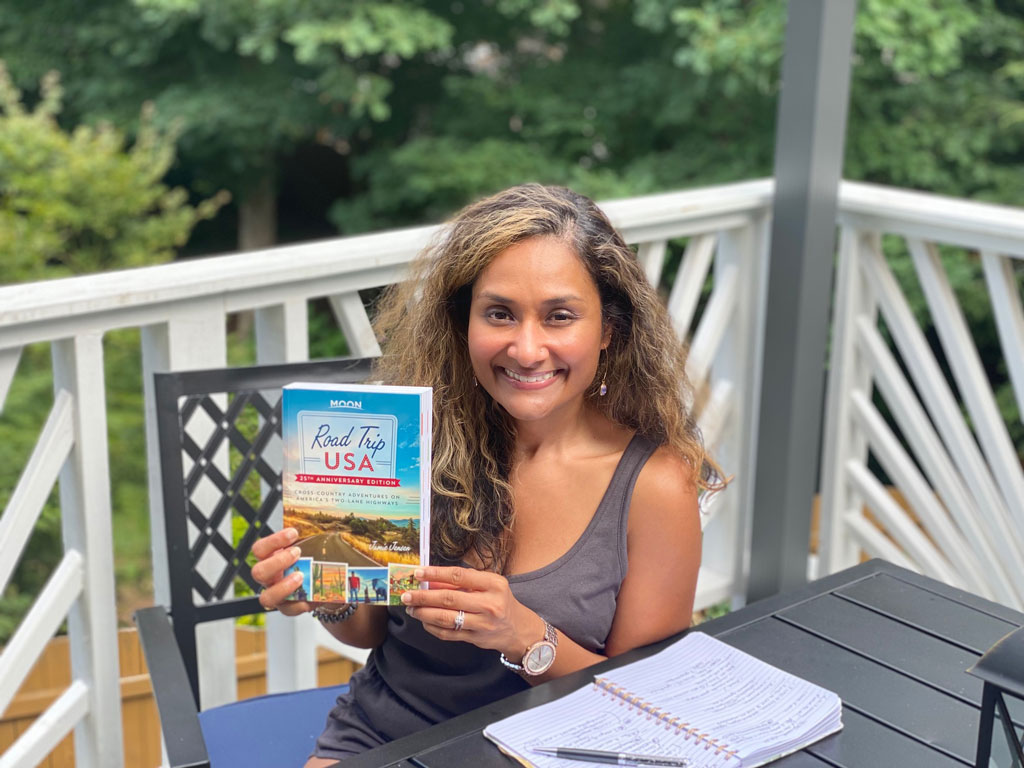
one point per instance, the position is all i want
(460, 619)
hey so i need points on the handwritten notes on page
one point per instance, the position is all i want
(753, 707)
(699, 698)
(589, 720)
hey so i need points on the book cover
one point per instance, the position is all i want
(356, 486)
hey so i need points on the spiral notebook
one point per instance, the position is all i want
(699, 699)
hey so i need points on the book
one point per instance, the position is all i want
(698, 699)
(356, 486)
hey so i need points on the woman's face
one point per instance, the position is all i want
(535, 329)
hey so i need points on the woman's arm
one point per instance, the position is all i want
(363, 629)
(494, 618)
(655, 600)
(664, 548)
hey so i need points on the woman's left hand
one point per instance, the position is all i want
(492, 617)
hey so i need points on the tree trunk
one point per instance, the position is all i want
(257, 228)
(257, 215)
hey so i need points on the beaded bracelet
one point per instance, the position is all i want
(335, 616)
(517, 668)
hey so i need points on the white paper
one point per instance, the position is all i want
(699, 698)
(589, 720)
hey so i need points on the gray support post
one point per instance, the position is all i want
(810, 133)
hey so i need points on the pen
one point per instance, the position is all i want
(614, 758)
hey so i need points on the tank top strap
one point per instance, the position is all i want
(613, 511)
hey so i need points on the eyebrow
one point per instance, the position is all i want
(499, 299)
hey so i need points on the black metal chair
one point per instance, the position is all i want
(238, 413)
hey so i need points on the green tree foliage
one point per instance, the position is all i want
(583, 103)
(78, 202)
(247, 81)
(631, 97)
(936, 90)
(409, 536)
(360, 527)
(70, 203)
(436, 102)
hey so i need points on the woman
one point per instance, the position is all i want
(566, 468)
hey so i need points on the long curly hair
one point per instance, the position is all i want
(422, 325)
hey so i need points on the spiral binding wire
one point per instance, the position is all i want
(630, 700)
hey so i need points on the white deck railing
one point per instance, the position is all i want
(961, 477)
(182, 311)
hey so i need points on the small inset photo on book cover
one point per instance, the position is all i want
(330, 582)
(303, 565)
(369, 585)
(400, 580)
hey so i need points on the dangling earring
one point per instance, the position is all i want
(604, 374)
(475, 382)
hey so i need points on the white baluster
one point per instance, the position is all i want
(970, 377)
(8, 365)
(843, 441)
(651, 256)
(282, 336)
(194, 337)
(355, 324)
(988, 535)
(689, 282)
(86, 521)
(733, 397)
(1006, 306)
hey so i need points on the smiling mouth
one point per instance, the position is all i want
(529, 379)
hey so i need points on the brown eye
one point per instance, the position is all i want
(498, 315)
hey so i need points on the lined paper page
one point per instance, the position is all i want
(594, 719)
(741, 701)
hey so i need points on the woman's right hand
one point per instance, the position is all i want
(275, 553)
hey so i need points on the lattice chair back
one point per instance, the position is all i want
(220, 456)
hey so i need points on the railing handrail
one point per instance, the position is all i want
(879, 200)
(39, 304)
(32, 309)
(943, 219)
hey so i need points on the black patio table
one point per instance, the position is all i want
(894, 645)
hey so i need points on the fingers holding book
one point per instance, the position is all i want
(447, 611)
(275, 553)
(472, 606)
(447, 625)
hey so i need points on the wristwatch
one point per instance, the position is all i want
(538, 657)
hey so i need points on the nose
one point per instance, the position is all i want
(529, 345)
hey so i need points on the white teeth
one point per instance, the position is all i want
(528, 379)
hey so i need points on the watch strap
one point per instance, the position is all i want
(550, 634)
(518, 668)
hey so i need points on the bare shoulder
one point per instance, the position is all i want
(665, 486)
(663, 540)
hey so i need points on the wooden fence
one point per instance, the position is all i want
(52, 674)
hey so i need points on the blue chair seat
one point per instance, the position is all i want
(274, 731)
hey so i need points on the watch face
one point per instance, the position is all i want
(540, 658)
